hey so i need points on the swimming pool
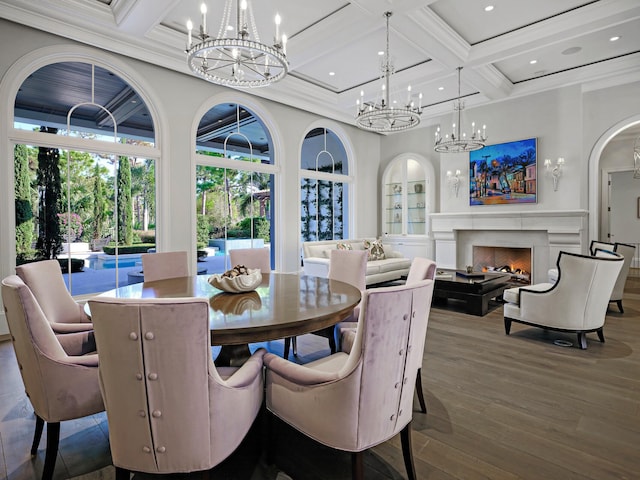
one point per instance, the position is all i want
(104, 262)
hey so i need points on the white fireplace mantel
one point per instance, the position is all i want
(546, 232)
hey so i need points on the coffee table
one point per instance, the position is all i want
(475, 290)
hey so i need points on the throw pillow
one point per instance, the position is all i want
(344, 246)
(375, 251)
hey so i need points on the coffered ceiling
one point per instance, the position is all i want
(518, 48)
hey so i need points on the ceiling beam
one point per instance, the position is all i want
(138, 17)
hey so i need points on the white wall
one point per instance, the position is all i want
(554, 118)
(617, 160)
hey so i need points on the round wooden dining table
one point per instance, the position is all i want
(283, 305)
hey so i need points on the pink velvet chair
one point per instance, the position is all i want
(169, 409)
(163, 265)
(45, 281)
(355, 401)
(251, 258)
(348, 266)
(421, 269)
(61, 381)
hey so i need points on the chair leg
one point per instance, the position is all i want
(37, 435)
(332, 344)
(407, 453)
(619, 303)
(122, 473)
(600, 333)
(357, 466)
(53, 437)
(582, 340)
(287, 346)
(423, 405)
(507, 325)
(294, 341)
(270, 450)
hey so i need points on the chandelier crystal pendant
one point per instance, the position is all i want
(381, 116)
(236, 57)
(459, 142)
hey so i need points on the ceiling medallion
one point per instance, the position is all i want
(459, 142)
(380, 116)
(236, 61)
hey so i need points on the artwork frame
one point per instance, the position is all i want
(504, 173)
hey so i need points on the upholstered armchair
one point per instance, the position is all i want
(61, 384)
(169, 409)
(251, 258)
(163, 265)
(355, 401)
(627, 251)
(577, 302)
(45, 281)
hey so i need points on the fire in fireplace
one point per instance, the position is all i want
(516, 261)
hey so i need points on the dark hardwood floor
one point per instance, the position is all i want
(500, 407)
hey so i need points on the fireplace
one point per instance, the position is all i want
(516, 261)
(546, 233)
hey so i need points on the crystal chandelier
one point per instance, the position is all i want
(236, 57)
(457, 142)
(381, 116)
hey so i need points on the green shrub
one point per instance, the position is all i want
(126, 249)
(202, 230)
(242, 229)
(147, 236)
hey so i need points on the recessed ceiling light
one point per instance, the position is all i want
(488, 8)
(380, 53)
(571, 50)
(332, 74)
(613, 39)
(533, 62)
(440, 88)
(229, 27)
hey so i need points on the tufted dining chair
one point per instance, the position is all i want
(348, 266)
(368, 393)
(251, 258)
(45, 281)
(61, 381)
(421, 269)
(163, 265)
(169, 409)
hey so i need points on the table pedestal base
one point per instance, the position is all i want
(233, 355)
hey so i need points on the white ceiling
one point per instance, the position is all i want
(569, 39)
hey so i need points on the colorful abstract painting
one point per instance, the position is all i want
(503, 173)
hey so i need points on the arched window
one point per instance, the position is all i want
(235, 175)
(324, 187)
(84, 174)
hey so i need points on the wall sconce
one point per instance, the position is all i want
(454, 181)
(554, 170)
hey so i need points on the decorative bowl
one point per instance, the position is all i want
(235, 304)
(238, 284)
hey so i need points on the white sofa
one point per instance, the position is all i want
(316, 260)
